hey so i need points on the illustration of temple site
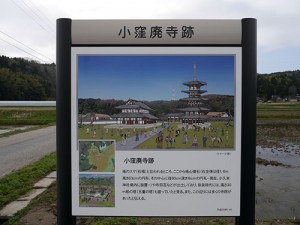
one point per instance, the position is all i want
(96, 190)
(96, 156)
(197, 121)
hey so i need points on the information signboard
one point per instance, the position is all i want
(136, 158)
(155, 123)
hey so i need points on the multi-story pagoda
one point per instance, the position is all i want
(196, 112)
(134, 112)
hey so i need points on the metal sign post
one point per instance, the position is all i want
(226, 172)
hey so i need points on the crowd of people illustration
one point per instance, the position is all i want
(168, 135)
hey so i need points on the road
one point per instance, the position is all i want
(19, 150)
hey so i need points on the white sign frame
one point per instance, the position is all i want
(227, 206)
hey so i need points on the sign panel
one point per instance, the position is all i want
(162, 32)
(156, 131)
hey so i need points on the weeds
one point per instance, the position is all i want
(16, 184)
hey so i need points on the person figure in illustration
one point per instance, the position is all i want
(94, 133)
(204, 139)
(124, 139)
(159, 135)
(170, 135)
(112, 132)
(87, 130)
(101, 134)
(137, 136)
(142, 133)
(159, 139)
(195, 141)
(128, 133)
(227, 138)
(185, 138)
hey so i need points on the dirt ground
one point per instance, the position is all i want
(272, 132)
(44, 211)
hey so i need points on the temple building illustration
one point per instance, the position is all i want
(196, 112)
(134, 112)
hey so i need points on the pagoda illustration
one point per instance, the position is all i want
(196, 112)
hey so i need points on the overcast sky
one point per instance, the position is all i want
(32, 22)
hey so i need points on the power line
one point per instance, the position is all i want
(32, 18)
(51, 28)
(23, 50)
(41, 12)
(25, 45)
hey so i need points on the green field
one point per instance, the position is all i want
(218, 126)
(27, 115)
(278, 110)
(151, 143)
(109, 134)
(289, 106)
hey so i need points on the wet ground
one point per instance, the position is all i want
(278, 185)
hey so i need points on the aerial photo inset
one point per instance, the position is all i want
(96, 156)
(96, 190)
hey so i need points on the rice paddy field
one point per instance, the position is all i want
(289, 110)
(27, 115)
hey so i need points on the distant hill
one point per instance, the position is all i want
(22, 80)
(284, 84)
(292, 74)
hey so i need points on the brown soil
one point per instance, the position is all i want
(271, 132)
(43, 213)
(271, 163)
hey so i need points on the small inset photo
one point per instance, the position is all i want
(96, 156)
(96, 190)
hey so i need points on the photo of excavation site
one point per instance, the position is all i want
(96, 190)
(158, 102)
(96, 156)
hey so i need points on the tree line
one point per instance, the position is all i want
(22, 79)
(219, 103)
(25, 80)
(283, 84)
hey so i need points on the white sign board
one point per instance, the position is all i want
(156, 131)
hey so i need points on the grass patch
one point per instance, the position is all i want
(116, 221)
(278, 106)
(220, 130)
(278, 116)
(108, 134)
(18, 183)
(26, 116)
(46, 198)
